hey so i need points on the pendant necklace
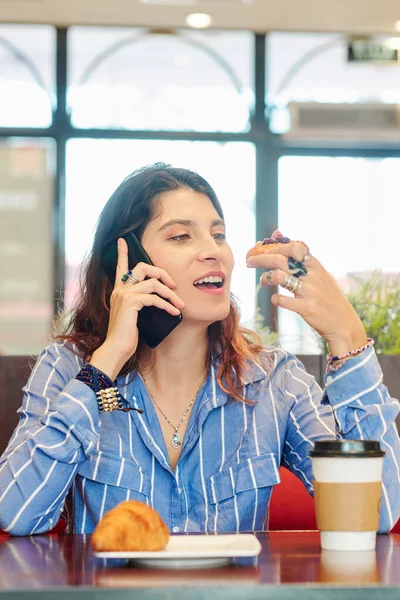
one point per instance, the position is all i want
(176, 440)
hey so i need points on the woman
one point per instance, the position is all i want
(213, 413)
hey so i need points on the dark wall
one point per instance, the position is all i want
(15, 370)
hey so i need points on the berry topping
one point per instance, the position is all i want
(285, 240)
(277, 235)
(269, 241)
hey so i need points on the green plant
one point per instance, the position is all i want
(375, 297)
(257, 323)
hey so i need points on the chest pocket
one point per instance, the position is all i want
(250, 474)
(115, 471)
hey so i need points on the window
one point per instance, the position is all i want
(27, 58)
(347, 211)
(313, 67)
(133, 79)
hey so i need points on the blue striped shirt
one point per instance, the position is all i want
(64, 456)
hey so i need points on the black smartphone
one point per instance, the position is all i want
(154, 323)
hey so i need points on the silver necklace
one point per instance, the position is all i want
(176, 440)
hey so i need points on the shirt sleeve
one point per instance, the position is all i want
(355, 405)
(58, 427)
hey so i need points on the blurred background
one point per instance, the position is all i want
(290, 110)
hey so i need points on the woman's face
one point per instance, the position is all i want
(186, 237)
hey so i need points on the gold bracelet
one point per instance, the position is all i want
(109, 399)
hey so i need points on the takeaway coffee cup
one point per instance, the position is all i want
(347, 490)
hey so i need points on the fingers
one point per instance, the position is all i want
(153, 286)
(122, 263)
(297, 250)
(296, 305)
(129, 297)
(274, 277)
(144, 271)
(155, 300)
(272, 261)
(289, 282)
(141, 271)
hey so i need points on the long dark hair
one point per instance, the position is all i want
(130, 208)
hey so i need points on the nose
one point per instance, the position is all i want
(209, 250)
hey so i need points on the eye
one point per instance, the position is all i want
(221, 237)
(180, 238)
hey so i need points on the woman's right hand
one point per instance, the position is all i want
(127, 299)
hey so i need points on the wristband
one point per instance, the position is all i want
(107, 393)
(335, 362)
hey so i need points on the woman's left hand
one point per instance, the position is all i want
(319, 300)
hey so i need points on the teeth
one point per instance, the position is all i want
(212, 279)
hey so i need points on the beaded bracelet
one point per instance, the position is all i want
(335, 362)
(107, 393)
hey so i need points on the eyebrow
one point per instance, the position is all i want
(189, 223)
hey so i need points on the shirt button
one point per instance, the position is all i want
(329, 379)
(175, 529)
(179, 490)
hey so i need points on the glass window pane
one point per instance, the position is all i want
(347, 211)
(27, 60)
(313, 67)
(325, 76)
(132, 79)
(26, 257)
(115, 159)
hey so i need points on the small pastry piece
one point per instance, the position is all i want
(276, 240)
(130, 526)
(263, 247)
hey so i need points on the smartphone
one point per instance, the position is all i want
(154, 323)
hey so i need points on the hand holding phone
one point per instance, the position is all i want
(152, 300)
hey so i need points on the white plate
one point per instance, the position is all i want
(194, 551)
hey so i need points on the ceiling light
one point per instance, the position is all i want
(199, 20)
(393, 43)
(397, 25)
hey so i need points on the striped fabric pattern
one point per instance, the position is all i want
(64, 457)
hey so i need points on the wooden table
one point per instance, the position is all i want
(290, 566)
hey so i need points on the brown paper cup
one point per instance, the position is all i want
(347, 489)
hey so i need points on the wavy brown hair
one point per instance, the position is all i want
(130, 208)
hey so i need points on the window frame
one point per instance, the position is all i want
(269, 148)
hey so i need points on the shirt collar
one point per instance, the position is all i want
(252, 373)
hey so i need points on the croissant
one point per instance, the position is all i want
(130, 526)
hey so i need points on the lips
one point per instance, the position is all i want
(212, 279)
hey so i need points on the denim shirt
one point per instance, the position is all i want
(64, 456)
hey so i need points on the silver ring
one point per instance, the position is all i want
(292, 284)
(132, 279)
(129, 277)
(307, 257)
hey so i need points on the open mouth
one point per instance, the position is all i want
(209, 283)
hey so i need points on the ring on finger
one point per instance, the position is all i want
(267, 277)
(129, 277)
(307, 257)
(295, 264)
(292, 284)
